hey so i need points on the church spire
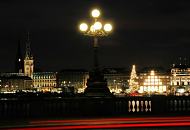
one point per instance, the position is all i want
(28, 54)
(19, 60)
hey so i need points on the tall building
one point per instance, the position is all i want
(154, 81)
(44, 81)
(12, 83)
(180, 78)
(28, 60)
(19, 60)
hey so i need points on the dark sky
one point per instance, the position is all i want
(146, 32)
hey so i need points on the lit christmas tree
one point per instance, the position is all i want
(133, 82)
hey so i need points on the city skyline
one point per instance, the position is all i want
(145, 33)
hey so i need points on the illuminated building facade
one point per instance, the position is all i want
(180, 79)
(154, 82)
(117, 79)
(10, 84)
(72, 80)
(44, 81)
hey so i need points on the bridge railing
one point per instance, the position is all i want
(84, 106)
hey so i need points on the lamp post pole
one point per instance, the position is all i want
(95, 47)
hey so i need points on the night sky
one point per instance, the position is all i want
(146, 32)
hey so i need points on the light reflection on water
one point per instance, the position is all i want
(4, 99)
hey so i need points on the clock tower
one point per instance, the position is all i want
(28, 60)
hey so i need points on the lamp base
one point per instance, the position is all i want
(97, 85)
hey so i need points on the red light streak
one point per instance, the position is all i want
(107, 123)
(107, 126)
(111, 119)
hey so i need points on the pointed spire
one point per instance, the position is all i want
(28, 54)
(179, 60)
(19, 60)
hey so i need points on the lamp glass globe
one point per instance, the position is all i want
(95, 13)
(83, 27)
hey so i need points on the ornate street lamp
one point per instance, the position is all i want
(95, 30)
(96, 84)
